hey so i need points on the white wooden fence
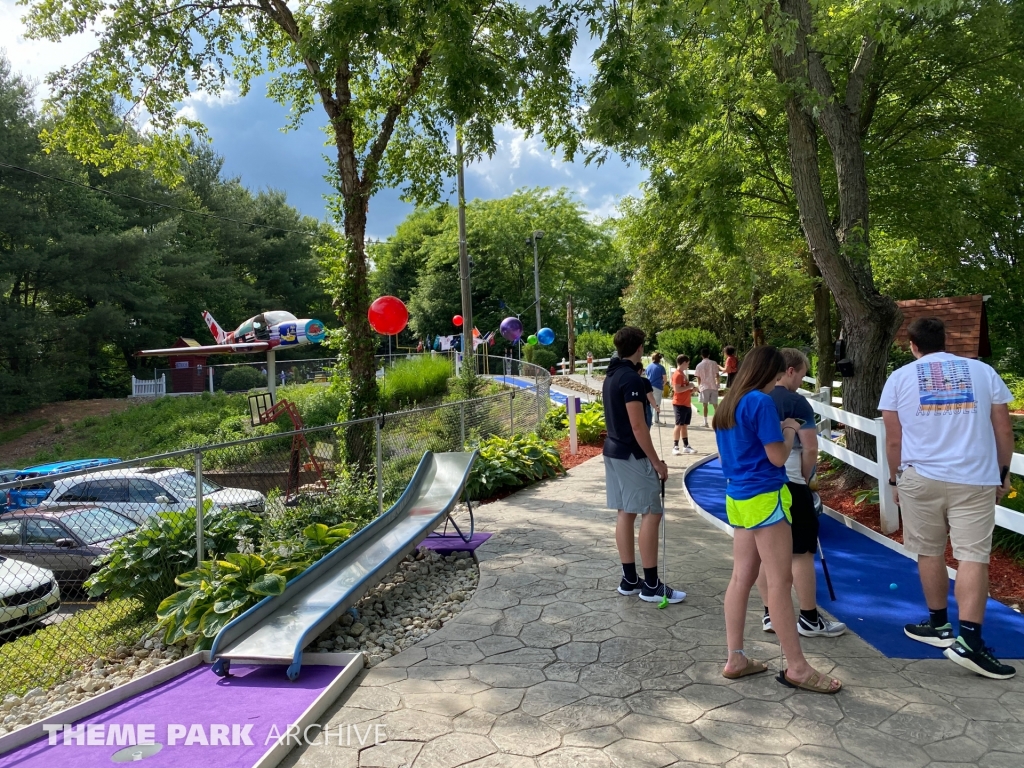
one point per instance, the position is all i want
(149, 387)
(889, 517)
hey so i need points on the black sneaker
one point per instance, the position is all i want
(940, 637)
(655, 594)
(981, 661)
(630, 587)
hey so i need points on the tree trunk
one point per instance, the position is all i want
(869, 320)
(824, 342)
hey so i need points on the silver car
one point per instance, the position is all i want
(139, 492)
(27, 595)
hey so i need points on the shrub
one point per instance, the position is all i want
(512, 463)
(219, 590)
(143, 564)
(349, 500)
(688, 341)
(597, 343)
(414, 380)
(242, 379)
(1016, 385)
(538, 355)
(589, 422)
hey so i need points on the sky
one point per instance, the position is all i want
(247, 133)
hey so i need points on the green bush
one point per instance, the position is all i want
(143, 564)
(598, 343)
(688, 341)
(589, 422)
(1016, 385)
(349, 500)
(541, 356)
(512, 462)
(414, 380)
(221, 589)
(242, 379)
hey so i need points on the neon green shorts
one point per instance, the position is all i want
(759, 511)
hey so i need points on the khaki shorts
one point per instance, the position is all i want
(709, 396)
(933, 509)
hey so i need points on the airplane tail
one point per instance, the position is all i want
(218, 333)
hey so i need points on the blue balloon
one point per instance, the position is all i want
(546, 336)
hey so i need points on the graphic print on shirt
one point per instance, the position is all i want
(945, 387)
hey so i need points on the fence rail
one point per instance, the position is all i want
(161, 515)
(889, 516)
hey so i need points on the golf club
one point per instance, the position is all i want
(824, 568)
(664, 524)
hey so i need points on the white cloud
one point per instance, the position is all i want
(201, 101)
(35, 59)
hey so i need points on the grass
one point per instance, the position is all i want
(414, 380)
(22, 429)
(51, 654)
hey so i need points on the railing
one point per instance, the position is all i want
(149, 387)
(889, 515)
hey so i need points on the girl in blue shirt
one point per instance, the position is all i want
(753, 447)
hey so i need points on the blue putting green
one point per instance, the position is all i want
(862, 573)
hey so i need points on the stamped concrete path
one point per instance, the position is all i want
(548, 667)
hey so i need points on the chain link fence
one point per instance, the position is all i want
(89, 551)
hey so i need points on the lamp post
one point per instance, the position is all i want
(464, 263)
(533, 238)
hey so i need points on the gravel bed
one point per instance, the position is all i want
(422, 595)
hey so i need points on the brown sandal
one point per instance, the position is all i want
(816, 683)
(753, 667)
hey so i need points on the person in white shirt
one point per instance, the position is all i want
(949, 443)
(707, 372)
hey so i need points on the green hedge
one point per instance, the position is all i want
(598, 343)
(414, 380)
(688, 341)
(538, 355)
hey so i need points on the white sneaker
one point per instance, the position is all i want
(706, 422)
(766, 623)
(689, 449)
(675, 450)
(824, 627)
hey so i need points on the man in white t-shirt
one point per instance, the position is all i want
(707, 371)
(949, 443)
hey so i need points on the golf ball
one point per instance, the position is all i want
(892, 586)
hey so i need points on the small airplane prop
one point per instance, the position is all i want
(264, 332)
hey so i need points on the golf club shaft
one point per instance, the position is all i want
(824, 568)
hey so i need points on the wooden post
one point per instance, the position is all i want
(888, 512)
(571, 326)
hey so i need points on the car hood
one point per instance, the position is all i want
(236, 496)
(17, 576)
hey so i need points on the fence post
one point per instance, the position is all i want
(377, 423)
(200, 554)
(462, 425)
(511, 412)
(570, 412)
(888, 512)
(825, 395)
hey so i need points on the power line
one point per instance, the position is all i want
(154, 202)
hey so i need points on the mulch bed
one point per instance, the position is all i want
(1006, 575)
(584, 452)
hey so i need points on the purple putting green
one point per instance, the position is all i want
(260, 697)
(445, 545)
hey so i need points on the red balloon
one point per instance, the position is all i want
(388, 315)
(457, 320)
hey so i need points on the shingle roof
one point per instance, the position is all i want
(965, 319)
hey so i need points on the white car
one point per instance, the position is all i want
(28, 594)
(139, 492)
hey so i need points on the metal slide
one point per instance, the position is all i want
(275, 630)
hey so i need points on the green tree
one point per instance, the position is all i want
(393, 79)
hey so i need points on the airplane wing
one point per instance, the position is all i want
(213, 349)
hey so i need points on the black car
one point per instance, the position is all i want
(64, 540)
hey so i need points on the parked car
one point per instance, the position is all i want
(138, 492)
(27, 595)
(29, 496)
(64, 540)
(6, 475)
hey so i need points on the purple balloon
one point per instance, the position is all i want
(512, 328)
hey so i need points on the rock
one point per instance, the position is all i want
(357, 629)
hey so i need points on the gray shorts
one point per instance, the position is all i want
(709, 397)
(632, 485)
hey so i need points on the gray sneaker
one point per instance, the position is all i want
(823, 628)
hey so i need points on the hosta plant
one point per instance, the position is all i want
(512, 462)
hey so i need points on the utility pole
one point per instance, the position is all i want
(467, 298)
(534, 237)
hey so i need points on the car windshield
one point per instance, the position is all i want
(97, 524)
(183, 485)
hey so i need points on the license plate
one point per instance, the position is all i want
(36, 608)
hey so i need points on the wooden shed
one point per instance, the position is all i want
(188, 372)
(965, 319)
